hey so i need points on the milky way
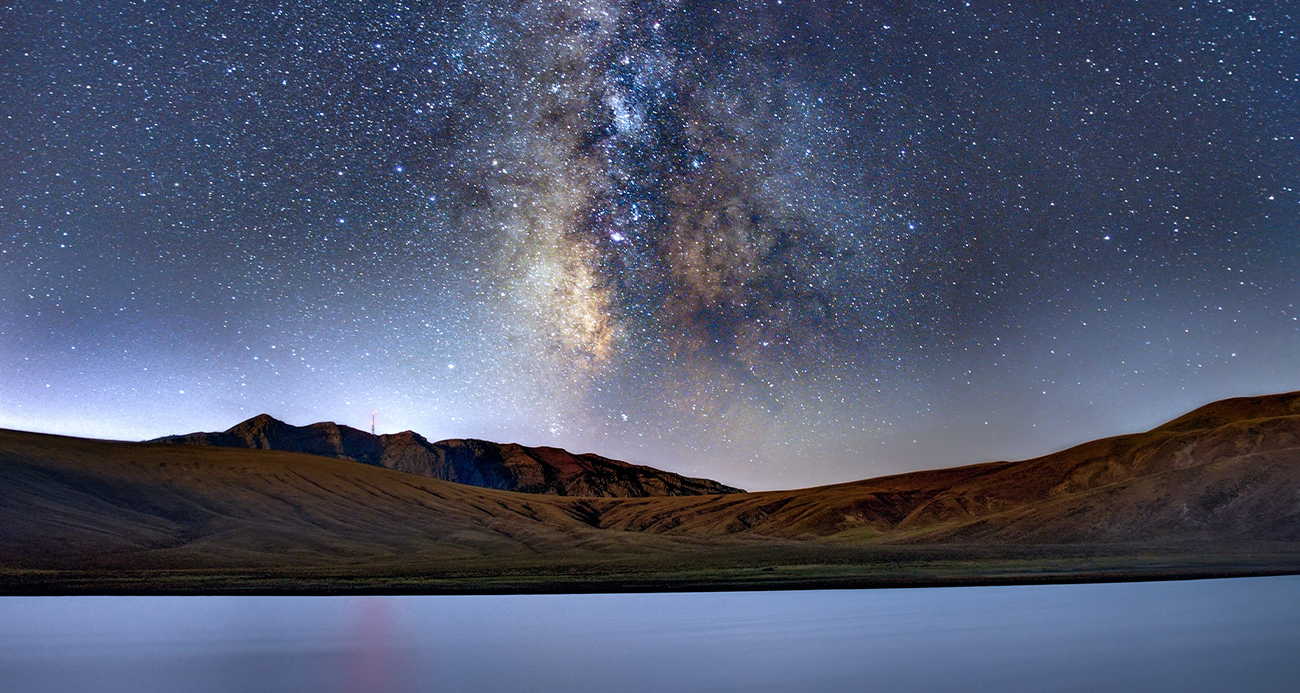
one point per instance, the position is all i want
(654, 208)
(772, 243)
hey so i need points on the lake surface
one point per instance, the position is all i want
(1208, 635)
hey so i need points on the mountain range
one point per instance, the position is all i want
(1215, 492)
(505, 466)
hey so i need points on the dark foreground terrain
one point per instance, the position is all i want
(1213, 493)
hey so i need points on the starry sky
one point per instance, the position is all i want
(773, 243)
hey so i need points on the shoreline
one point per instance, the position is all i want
(36, 582)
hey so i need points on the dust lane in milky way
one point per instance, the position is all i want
(649, 215)
(772, 243)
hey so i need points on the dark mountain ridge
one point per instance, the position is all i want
(504, 466)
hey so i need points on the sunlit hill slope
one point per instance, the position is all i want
(1214, 492)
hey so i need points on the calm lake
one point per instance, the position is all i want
(1208, 635)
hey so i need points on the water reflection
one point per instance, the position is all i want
(374, 661)
(1173, 636)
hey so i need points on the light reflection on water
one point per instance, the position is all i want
(1209, 635)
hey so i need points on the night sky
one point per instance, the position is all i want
(776, 244)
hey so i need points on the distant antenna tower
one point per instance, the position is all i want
(372, 422)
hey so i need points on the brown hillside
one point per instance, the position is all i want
(1206, 477)
(1211, 492)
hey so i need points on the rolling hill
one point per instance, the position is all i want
(1215, 492)
(1227, 471)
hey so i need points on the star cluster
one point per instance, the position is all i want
(774, 243)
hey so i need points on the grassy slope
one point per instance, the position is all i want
(1214, 494)
(1212, 479)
